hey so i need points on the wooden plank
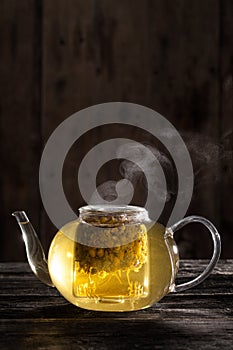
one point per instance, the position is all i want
(13, 276)
(183, 86)
(133, 335)
(226, 123)
(187, 320)
(20, 119)
(160, 54)
(91, 56)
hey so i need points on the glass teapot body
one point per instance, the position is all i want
(113, 259)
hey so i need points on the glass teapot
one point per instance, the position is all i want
(112, 258)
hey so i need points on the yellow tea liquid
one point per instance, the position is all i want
(128, 276)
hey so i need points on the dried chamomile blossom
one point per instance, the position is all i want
(115, 244)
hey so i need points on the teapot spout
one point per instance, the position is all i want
(34, 250)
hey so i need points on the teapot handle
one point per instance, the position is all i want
(216, 249)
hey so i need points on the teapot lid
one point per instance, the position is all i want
(110, 214)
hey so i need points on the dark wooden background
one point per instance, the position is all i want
(57, 57)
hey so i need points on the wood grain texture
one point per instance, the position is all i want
(105, 52)
(36, 316)
(226, 120)
(58, 57)
(184, 88)
(20, 118)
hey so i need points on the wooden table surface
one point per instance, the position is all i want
(34, 316)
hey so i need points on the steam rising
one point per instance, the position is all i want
(131, 171)
(141, 164)
(208, 157)
(205, 154)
